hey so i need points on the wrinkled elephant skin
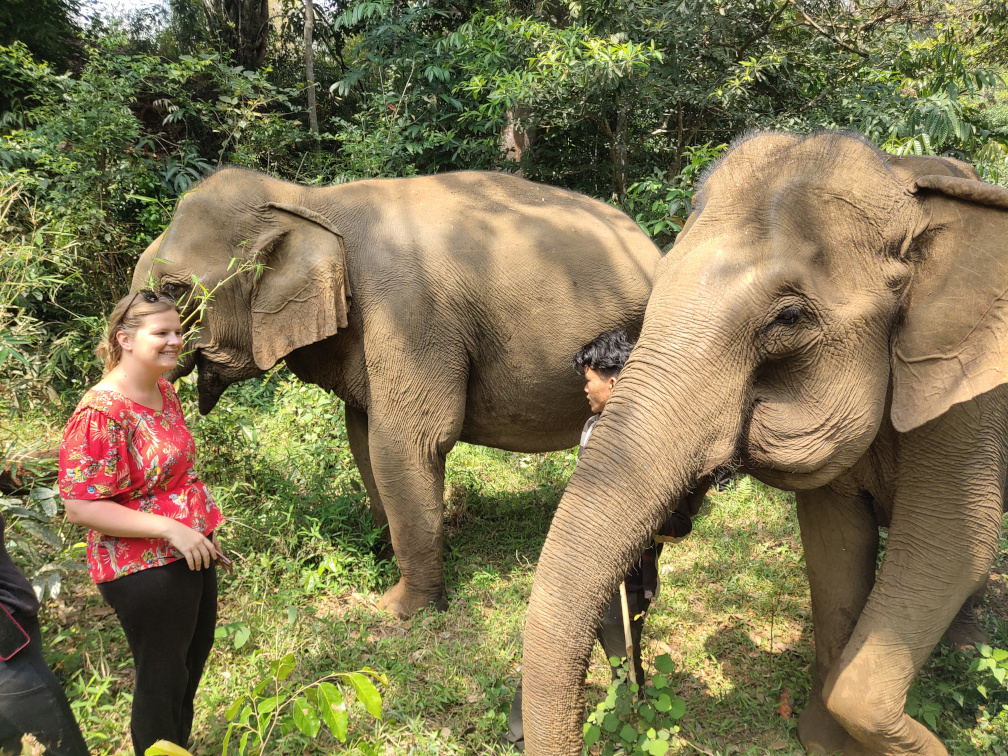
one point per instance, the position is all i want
(832, 321)
(439, 308)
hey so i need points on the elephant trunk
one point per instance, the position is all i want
(661, 431)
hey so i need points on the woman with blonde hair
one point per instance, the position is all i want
(126, 473)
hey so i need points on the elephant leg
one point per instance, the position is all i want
(840, 537)
(415, 416)
(946, 522)
(411, 484)
(357, 434)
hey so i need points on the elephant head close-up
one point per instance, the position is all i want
(439, 308)
(831, 320)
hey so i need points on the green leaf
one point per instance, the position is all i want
(678, 708)
(664, 702)
(241, 636)
(659, 682)
(232, 710)
(268, 704)
(664, 664)
(282, 668)
(367, 694)
(333, 710)
(610, 723)
(166, 748)
(628, 734)
(305, 717)
(591, 734)
(658, 747)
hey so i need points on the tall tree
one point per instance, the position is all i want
(309, 25)
(46, 27)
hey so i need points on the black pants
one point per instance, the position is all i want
(32, 701)
(169, 615)
(613, 640)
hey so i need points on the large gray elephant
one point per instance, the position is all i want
(832, 321)
(437, 308)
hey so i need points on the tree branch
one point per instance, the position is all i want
(811, 22)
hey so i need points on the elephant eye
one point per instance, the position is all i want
(789, 315)
(173, 290)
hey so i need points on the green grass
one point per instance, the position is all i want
(733, 612)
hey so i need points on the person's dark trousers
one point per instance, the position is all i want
(32, 701)
(169, 615)
(610, 634)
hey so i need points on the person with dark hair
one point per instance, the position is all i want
(126, 472)
(31, 698)
(600, 362)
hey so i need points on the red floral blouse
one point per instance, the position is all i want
(114, 448)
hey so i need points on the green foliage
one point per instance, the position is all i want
(86, 182)
(634, 721)
(289, 482)
(46, 27)
(661, 203)
(34, 535)
(968, 689)
(276, 706)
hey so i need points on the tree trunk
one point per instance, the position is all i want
(516, 138)
(309, 25)
(618, 146)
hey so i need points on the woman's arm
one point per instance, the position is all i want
(112, 519)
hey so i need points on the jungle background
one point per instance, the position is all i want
(109, 113)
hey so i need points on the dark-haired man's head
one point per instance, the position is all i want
(600, 361)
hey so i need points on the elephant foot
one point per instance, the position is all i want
(820, 733)
(404, 603)
(965, 630)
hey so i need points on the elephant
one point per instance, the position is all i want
(831, 321)
(438, 308)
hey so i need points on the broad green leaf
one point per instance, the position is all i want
(678, 708)
(628, 735)
(282, 668)
(268, 704)
(610, 723)
(241, 636)
(305, 717)
(232, 711)
(333, 710)
(591, 734)
(367, 694)
(658, 747)
(664, 664)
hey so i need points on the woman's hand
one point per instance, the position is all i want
(198, 550)
(222, 560)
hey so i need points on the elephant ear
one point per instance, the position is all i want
(953, 342)
(302, 294)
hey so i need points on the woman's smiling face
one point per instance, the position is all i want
(157, 341)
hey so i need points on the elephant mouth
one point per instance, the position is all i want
(210, 384)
